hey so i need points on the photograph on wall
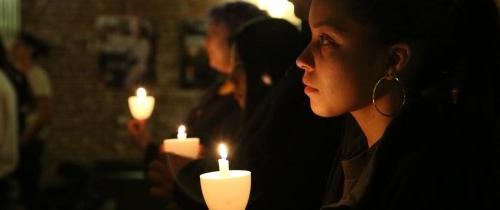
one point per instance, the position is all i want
(195, 69)
(126, 51)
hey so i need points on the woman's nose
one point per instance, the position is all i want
(305, 60)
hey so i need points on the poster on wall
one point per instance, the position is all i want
(195, 70)
(126, 51)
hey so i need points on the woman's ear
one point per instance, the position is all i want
(399, 57)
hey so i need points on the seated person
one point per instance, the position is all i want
(427, 103)
(264, 50)
(217, 114)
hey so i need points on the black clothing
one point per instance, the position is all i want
(280, 39)
(356, 171)
(287, 148)
(427, 159)
(29, 171)
(25, 98)
(353, 145)
(216, 117)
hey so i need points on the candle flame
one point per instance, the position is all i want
(276, 8)
(141, 92)
(223, 151)
(181, 132)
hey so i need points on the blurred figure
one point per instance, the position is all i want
(262, 54)
(263, 51)
(8, 131)
(217, 115)
(37, 112)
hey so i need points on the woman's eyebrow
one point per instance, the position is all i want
(328, 24)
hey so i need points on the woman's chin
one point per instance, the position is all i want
(323, 111)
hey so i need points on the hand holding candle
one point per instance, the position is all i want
(141, 106)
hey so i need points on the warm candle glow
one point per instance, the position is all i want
(181, 132)
(278, 9)
(182, 145)
(223, 162)
(141, 92)
(141, 105)
(223, 151)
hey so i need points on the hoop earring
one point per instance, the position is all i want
(375, 91)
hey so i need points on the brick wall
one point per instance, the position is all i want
(89, 124)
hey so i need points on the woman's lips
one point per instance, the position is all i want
(308, 88)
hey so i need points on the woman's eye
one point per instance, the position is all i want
(325, 40)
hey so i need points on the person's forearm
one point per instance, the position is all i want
(43, 117)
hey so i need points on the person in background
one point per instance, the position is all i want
(8, 131)
(217, 114)
(257, 70)
(263, 51)
(420, 78)
(37, 112)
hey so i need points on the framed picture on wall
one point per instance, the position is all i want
(126, 51)
(195, 70)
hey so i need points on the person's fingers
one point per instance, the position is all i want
(133, 127)
(139, 133)
(136, 124)
(141, 123)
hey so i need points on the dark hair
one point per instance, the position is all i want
(265, 47)
(40, 48)
(456, 43)
(235, 14)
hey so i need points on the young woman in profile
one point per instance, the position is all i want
(420, 78)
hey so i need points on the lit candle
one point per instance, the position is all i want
(223, 162)
(181, 132)
(141, 106)
(182, 146)
(226, 189)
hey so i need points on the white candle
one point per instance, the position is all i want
(225, 189)
(229, 192)
(223, 162)
(141, 106)
(182, 146)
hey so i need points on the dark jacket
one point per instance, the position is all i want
(429, 158)
(216, 117)
(287, 148)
